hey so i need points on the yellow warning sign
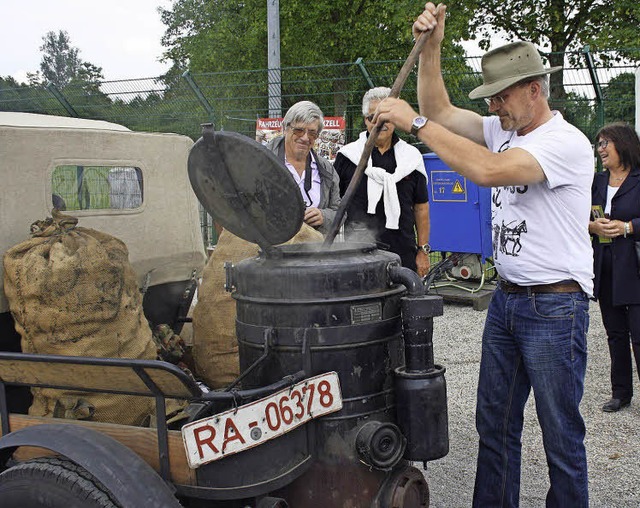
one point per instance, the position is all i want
(457, 188)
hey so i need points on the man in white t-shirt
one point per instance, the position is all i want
(540, 168)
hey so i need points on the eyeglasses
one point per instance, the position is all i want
(603, 143)
(496, 100)
(499, 100)
(300, 131)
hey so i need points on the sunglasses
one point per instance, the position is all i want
(300, 131)
(603, 143)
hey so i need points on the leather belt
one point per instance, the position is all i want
(563, 286)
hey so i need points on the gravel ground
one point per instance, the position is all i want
(613, 442)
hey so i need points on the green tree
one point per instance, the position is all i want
(208, 36)
(61, 63)
(619, 99)
(621, 31)
(213, 35)
(556, 26)
(579, 111)
(16, 96)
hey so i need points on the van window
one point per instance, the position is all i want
(96, 187)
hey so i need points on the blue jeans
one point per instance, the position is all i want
(532, 341)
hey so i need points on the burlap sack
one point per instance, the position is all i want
(215, 348)
(72, 291)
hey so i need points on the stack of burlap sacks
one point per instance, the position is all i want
(73, 292)
(215, 348)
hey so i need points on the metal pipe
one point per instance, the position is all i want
(199, 95)
(268, 335)
(408, 278)
(62, 100)
(239, 395)
(417, 331)
(274, 77)
(365, 73)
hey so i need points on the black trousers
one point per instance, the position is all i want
(622, 324)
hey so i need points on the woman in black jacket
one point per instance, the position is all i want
(615, 228)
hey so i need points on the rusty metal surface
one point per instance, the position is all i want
(335, 485)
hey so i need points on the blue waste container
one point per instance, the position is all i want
(460, 211)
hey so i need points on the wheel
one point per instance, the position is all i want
(272, 502)
(405, 488)
(51, 482)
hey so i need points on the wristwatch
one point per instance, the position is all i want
(418, 123)
(426, 248)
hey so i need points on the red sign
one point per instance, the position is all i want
(331, 138)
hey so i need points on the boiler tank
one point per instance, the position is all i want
(348, 308)
(328, 310)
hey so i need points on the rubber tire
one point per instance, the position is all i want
(51, 482)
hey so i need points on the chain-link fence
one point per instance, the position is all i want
(592, 94)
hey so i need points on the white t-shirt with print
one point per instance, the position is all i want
(540, 231)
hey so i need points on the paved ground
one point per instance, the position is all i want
(613, 439)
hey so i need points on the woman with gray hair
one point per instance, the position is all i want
(315, 176)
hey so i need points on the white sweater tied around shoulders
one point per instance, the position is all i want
(383, 184)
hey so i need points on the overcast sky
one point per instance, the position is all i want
(121, 36)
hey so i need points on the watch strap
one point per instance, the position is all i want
(423, 120)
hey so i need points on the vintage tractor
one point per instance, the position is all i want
(338, 392)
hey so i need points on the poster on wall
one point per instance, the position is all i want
(267, 129)
(331, 138)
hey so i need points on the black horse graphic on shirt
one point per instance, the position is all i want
(507, 237)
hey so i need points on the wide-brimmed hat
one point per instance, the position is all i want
(508, 64)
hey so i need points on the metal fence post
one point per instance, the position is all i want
(596, 84)
(61, 99)
(274, 77)
(201, 98)
(365, 72)
(638, 99)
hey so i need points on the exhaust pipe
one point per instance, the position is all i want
(420, 387)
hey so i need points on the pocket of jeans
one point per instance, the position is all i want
(553, 305)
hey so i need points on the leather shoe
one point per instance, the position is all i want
(615, 405)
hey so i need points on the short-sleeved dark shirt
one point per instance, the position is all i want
(360, 225)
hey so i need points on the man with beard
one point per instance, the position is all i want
(540, 168)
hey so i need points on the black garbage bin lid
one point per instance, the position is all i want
(245, 188)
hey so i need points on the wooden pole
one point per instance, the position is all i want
(368, 147)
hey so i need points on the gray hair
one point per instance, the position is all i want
(542, 80)
(304, 112)
(544, 85)
(374, 94)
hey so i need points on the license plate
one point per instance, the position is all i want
(242, 428)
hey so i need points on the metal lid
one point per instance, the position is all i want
(245, 188)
